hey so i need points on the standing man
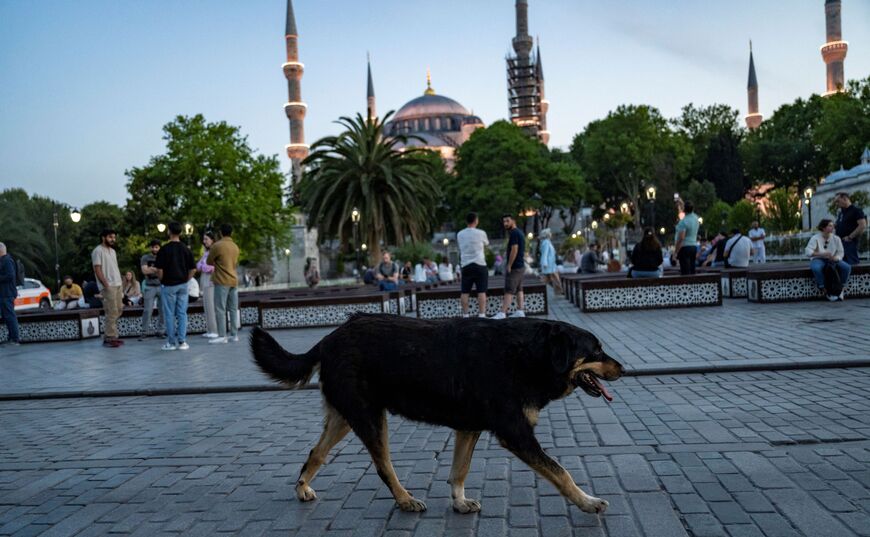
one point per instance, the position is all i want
(8, 294)
(105, 262)
(757, 236)
(151, 290)
(515, 268)
(175, 267)
(224, 257)
(851, 223)
(686, 239)
(472, 259)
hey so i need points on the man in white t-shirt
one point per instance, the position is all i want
(738, 249)
(472, 242)
(757, 235)
(105, 263)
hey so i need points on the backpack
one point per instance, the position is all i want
(19, 272)
(833, 285)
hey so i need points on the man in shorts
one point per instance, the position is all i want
(515, 268)
(472, 242)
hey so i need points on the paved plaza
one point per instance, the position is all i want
(736, 453)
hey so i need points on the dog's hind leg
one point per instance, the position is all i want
(463, 447)
(375, 437)
(521, 442)
(335, 428)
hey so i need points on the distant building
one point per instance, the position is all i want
(834, 50)
(842, 180)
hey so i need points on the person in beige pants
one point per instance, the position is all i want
(207, 287)
(105, 262)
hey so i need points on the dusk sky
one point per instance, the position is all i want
(85, 86)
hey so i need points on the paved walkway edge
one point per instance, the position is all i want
(698, 368)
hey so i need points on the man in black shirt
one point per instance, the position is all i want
(515, 268)
(175, 267)
(851, 223)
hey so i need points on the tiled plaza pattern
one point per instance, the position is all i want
(765, 453)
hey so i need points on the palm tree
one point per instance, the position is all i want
(394, 189)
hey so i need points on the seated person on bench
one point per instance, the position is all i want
(826, 249)
(646, 258)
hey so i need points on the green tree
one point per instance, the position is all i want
(714, 135)
(843, 130)
(631, 148)
(742, 215)
(395, 190)
(783, 210)
(702, 195)
(209, 175)
(717, 217)
(25, 235)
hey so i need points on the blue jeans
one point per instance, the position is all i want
(646, 273)
(850, 252)
(7, 309)
(173, 298)
(386, 285)
(818, 265)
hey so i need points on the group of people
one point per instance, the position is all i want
(168, 269)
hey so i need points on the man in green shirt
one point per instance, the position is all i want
(224, 257)
(686, 240)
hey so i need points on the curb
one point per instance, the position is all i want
(743, 367)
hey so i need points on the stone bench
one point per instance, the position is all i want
(734, 282)
(795, 284)
(443, 302)
(317, 311)
(672, 291)
(66, 325)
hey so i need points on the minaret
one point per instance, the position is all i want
(834, 50)
(371, 109)
(544, 134)
(523, 95)
(753, 118)
(295, 109)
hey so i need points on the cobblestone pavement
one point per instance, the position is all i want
(653, 340)
(734, 454)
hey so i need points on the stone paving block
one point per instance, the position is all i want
(705, 526)
(729, 513)
(622, 526)
(79, 520)
(635, 473)
(760, 471)
(655, 514)
(690, 503)
(743, 530)
(712, 492)
(805, 514)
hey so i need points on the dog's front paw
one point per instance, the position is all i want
(305, 493)
(412, 505)
(594, 505)
(466, 506)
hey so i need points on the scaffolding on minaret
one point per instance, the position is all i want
(526, 104)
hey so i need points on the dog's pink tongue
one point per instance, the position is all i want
(604, 391)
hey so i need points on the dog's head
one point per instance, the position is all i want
(578, 355)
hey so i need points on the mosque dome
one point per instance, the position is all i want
(430, 104)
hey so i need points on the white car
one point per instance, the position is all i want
(33, 296)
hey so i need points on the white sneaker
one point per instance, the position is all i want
(218, 340)
(518, 313)
(210, 335)
(499, 315)
(234, 339)
(842, 296)
(833, 298)
(168, 347)
(482, 316)
(184, 346)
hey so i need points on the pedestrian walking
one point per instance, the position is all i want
(548, 260)
(686, 239)
(472, 242)
(105, 262)
(851, 223)
(514, 269)
(175, 267)
(206, 286)
(150, 290)
(8, 293)
(224, 257)
(757, 236)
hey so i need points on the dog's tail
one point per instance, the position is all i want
(292, 369)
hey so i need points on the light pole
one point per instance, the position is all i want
(446, 242)
(355, 218)
(808, 198)
(287, 254)
(55, 225)
(651, 197)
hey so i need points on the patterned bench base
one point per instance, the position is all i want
(734, 283)
(652, 293)
(442, 304)
(61, 326)
(798, 285)
(306, 313)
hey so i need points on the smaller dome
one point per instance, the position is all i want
(837, 176)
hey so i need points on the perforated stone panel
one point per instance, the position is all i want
(327, 315)
(786, 289)
(442, 308)
(42, 331)
(652, 296)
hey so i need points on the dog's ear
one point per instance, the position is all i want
(560, 345)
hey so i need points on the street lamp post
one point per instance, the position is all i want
(55, 225)
(287, 254)
(808, 198)
(651, 197)
(355, 218)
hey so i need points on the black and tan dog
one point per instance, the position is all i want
(471, 375)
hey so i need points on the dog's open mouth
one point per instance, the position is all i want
(591, 385)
